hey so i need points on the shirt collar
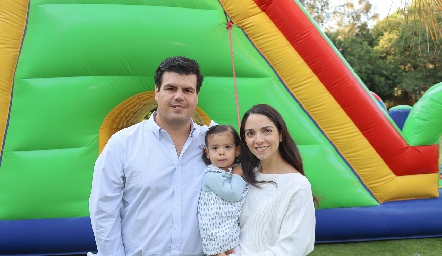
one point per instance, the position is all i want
(157, 130)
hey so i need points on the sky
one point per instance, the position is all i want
(384, 7)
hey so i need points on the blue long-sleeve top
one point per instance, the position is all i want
(226, 185)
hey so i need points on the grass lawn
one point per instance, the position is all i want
(403, 247)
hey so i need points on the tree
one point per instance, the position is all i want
(405, 39)
(350, 15)
(429, 12)
(319, 10)
(379, 75)
(356, 43)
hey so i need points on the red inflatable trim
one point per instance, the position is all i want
(401, 158)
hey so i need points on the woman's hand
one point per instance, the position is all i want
(237, 169)
(231, 250)
(226, 253)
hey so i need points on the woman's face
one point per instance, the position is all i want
(262, 136)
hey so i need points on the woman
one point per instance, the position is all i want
(278, 215)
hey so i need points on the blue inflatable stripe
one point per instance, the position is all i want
(390, 220)
(46, 236)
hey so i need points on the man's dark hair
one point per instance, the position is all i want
(180, 65)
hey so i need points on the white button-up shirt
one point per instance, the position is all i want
(144, 197)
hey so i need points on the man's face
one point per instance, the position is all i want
(177, 99)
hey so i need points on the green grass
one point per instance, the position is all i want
(403, 247)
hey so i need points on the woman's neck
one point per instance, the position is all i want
(275, 166)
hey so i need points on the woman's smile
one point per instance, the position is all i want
(262, 136)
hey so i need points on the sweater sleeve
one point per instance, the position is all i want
(297, 233)
(227, 186)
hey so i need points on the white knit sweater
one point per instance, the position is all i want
(278, 220)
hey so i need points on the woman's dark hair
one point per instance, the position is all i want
(288, 149)
(217, 129)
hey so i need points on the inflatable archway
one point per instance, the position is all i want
(72, 73)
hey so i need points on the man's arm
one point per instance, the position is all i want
(105, 200)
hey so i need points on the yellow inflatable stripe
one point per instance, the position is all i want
(338, 127)
(12, 26)
(132, 111)
(413, 187)
(125, 114)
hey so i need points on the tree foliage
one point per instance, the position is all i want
(407, 41)
(319, 10)
(378, 74)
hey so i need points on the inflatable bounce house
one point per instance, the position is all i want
(74, 72)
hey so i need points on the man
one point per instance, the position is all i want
(148, 177)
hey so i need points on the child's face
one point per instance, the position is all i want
(221, 150)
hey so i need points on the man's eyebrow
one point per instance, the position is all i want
(189, 87)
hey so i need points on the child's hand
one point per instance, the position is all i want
(221, 254)
(237, 169)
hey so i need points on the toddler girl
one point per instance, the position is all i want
(223, 192)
